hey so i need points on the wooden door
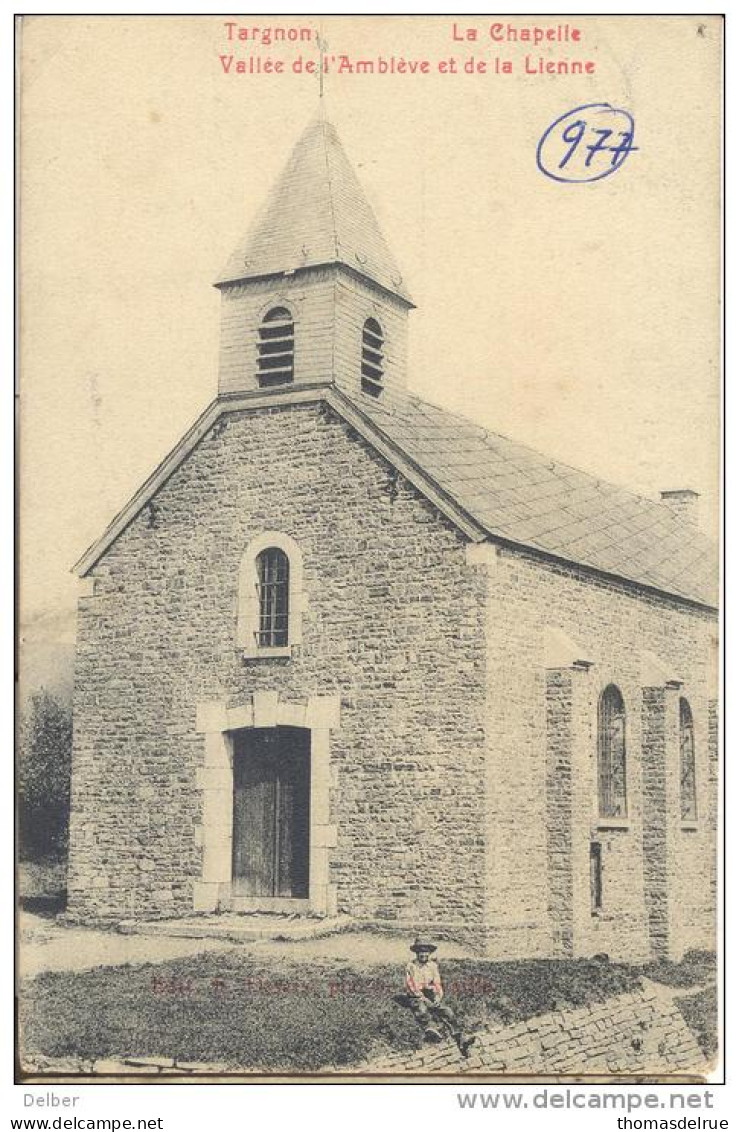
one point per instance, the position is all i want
(271, 812)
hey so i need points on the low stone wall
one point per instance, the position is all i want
(637, 1033)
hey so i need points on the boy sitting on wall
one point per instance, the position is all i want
(425, 994)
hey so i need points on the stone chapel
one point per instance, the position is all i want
(346, 652)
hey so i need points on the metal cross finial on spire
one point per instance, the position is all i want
(322, 47)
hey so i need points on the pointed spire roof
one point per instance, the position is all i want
(316, 213)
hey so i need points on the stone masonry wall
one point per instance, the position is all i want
(620, 631)
(655, 819)
(559, 808)
(712, 791)
(394, 625)
(636, 1033)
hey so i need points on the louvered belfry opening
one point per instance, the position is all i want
(273, 581)
(372, 357)
(276, 348)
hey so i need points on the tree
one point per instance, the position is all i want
(44, 775)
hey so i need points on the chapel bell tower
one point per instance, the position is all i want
(313, 293)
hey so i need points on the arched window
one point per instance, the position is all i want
(276, 348)
(688, 794)
(372, 358)
(273, 583)
(271, 599)
(611, 754)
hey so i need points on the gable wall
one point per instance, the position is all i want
(393, 625)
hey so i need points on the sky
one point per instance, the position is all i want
(582, 319)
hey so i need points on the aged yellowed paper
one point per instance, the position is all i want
(368, 573)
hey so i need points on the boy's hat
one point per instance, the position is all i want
(421, 944)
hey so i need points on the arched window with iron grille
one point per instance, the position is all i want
(688, 792)
(273, 584)
(372, 357)
(611, 754)
(276, 348)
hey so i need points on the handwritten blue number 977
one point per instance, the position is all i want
(574, 134)
(565, 142)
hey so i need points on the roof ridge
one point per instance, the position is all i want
(323, 124)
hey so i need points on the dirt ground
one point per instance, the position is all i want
(46, 945)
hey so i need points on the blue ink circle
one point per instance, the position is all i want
(597, 108)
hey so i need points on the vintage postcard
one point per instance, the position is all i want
(369, 617)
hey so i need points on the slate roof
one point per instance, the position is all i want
(316, 213)
(492, 487)
(522, 497)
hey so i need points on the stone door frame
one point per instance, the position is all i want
(217, 721)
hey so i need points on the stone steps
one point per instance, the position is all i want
(241, 927)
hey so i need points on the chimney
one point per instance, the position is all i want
(683, 501)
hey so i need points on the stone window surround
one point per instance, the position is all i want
(603, 824)
(217, 721)
(649, 677)
(608, 693)
(560, 652)
(587, 683)
(247, 621)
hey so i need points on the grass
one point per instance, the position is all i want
(694, 969)
(238, 1010)
(700, 1011)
